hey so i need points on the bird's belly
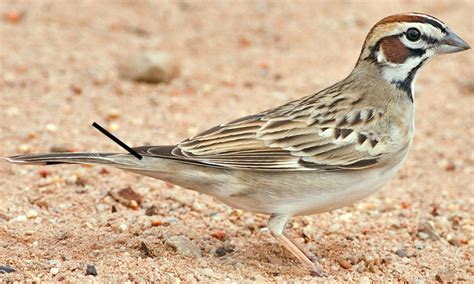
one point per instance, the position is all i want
(310, 193)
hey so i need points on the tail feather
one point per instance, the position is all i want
(126, 161)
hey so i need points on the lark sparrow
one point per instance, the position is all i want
(311, 155)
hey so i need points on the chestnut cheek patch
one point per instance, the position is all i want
(394, 50)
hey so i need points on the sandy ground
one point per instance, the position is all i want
(58, 75)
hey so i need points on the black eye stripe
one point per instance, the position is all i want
(418, 52)
(428, 39)
(425, 38)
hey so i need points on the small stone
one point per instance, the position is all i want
(423, 236)
(445, 276)
(364, 280)
(221, 251)
(197, 206)
(54, 262)
(152, 210)
(208, 272)
(250, 224)
(13, 16)
(24, 148)
(21, 218)
(419, 245)
(156, 222)
(90, 270)
(113, 114)
(149, 67)
(447, 165)
(184, 246)
(169, 220)
(335, 228)
(220, 235)
(30, 214)
(145, 249)
(401, 252)
(4, 216)
(88, 225)
(428, 228)
(113, 126)
(128, 197)
(54, 270)
(51, 127)
(76, 89)
(123, 227)
(453, 240)
(6, 269)
(343, 263)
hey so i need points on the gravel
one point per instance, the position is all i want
(233, 62)
(184, 246)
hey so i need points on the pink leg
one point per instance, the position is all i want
(303, 249)
(276, 225)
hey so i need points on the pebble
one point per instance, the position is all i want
(208, 272)
(275, 260)
(220, 235)
(401, 252)
(13, 111)
(184, 246)
(123, 227)
(152, 210)
(24, 148)
(90, 270)
(51, 127)
(6, 269)
(113, 126)
(21, 218)
(76, 89)
(364, 280)
(13, 16)
(128, 197)
(197, 206)
(146, 250)
(54, 270)
(428, 228)
(54, 262)
(455, 241)
(112, 114)
(149, 67)
(445, 276)
(419, 245)
(406, 260)
(335, 228)
(30, 214)
(221, 251)
(343, 263)
(250, 224)
(170, 220)
(423, 236)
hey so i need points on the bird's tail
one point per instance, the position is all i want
(123, 161)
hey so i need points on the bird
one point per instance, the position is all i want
(313, 154)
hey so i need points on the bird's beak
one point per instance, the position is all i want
(452, 43)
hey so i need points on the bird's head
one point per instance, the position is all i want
(400, 44)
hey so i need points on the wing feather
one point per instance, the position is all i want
(319, 132)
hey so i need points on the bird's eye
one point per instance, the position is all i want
(413, 34)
